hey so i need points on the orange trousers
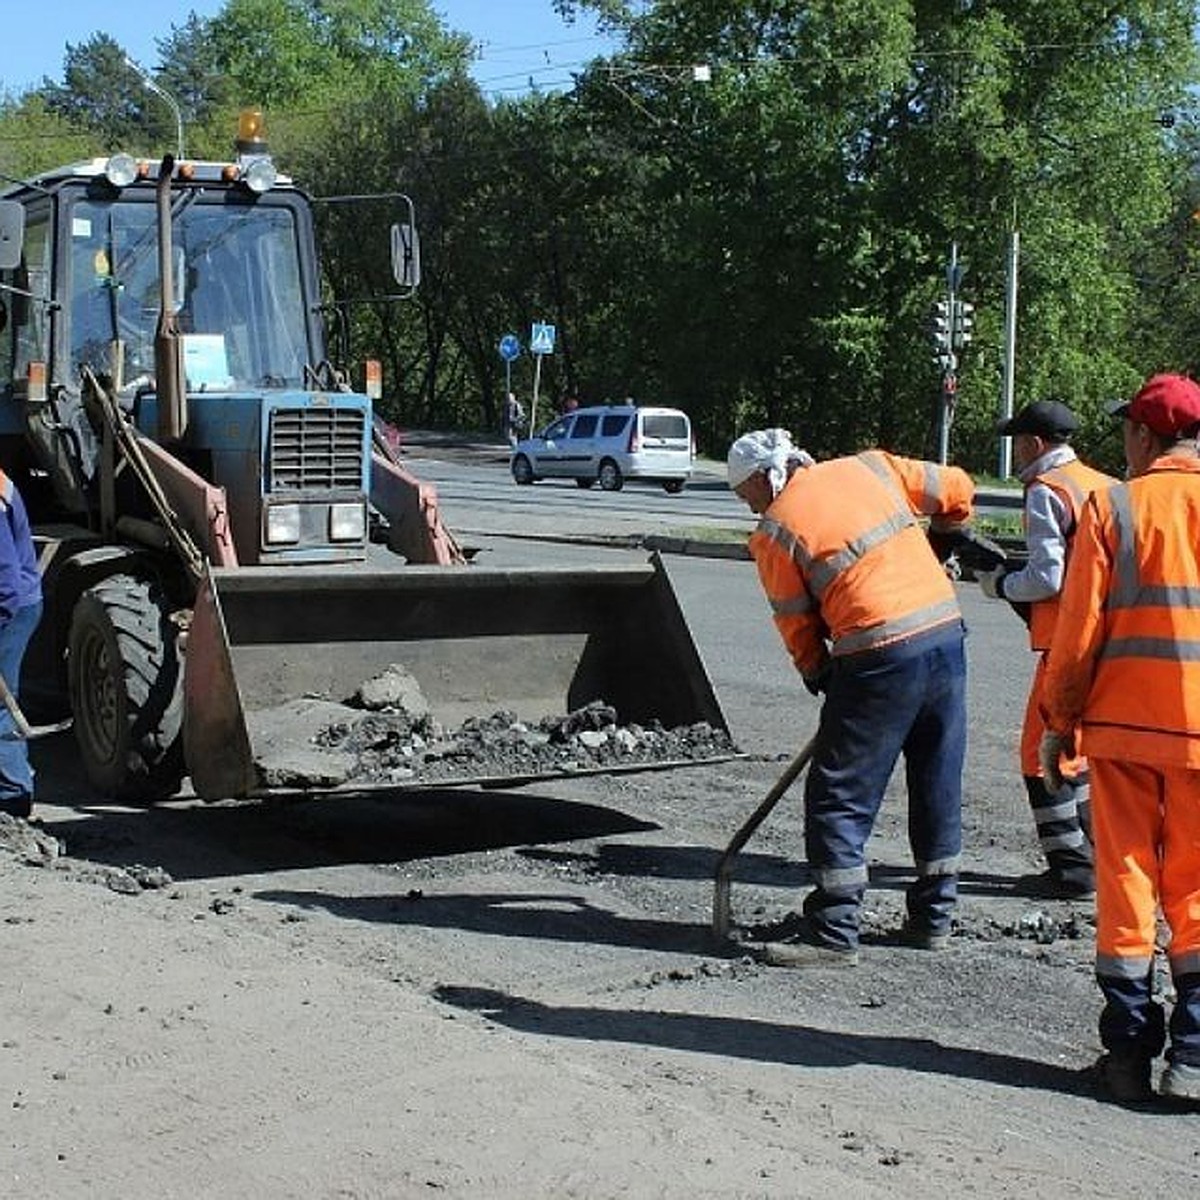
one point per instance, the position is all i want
(1034, 726)
(1146, 830)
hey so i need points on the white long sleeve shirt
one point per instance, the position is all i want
(1047, 530)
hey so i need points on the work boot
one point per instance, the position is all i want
(921, 937)
(1181, 1081)
(1125, 1075)
(802, 950)
(17, 806)
(1077, 883)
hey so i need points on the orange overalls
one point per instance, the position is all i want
(1061, 818)
(1125, 668)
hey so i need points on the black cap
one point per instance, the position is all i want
(1049, 419)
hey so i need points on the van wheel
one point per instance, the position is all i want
(611, 479)
(522, 470)
(673, 486)
(585, 482)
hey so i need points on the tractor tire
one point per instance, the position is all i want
(126, 689)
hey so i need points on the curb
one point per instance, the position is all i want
(658, 543)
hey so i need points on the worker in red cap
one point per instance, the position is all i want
(1124, 670)
(1056, 485)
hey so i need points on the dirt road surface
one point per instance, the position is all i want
(515, 994)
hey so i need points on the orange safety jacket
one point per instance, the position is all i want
(1072, 482)
(1125, 661)
(844, 562)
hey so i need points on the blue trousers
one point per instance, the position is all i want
(906, 699)
(16, 774)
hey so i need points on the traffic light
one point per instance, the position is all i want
(939, 328)
(964, 324)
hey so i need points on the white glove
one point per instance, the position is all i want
(990, 582)
(1053, 746)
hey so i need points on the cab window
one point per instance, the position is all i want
(23, 339)
(557, 431)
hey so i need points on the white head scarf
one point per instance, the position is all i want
(770, 451)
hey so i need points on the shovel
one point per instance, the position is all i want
(721, 905)
(21, 726)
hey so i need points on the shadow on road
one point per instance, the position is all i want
(547, 916)
(192, 840)
(762, 1041)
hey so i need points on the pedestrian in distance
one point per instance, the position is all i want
(20, 611)
(514, 418)
(1124, 670)
(872, 624)
(1056, 485)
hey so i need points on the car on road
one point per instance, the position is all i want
(609, 444)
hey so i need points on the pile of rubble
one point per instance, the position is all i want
(387, 735)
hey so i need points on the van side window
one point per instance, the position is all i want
(557, 430)
(585, 426)
(665, 425)
(613, 425)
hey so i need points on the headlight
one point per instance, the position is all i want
(120, 170)
(283, 523)
(259, 175)
(347, 522)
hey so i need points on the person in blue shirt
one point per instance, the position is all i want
(20, 611)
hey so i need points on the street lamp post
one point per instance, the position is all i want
(164, 95)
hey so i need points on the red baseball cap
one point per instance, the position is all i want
(1167, 404)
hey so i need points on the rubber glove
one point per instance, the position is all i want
(992, 582)
(1053, 746)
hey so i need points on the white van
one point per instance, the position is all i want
(608, 445)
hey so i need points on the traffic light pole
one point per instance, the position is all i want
(950, 359)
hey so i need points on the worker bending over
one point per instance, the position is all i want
(871, 621)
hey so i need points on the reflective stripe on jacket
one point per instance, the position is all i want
(1072, 482)
(1126, 655)
(843, 559)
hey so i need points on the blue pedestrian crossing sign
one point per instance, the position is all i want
(541, 340)
(510, 347)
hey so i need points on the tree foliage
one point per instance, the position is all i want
(760, 241)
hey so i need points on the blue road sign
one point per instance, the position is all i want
(510, 347)
(541, 340)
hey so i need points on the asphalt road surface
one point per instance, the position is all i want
(516, 993)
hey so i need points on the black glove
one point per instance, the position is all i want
(819, 683)
(944, 542)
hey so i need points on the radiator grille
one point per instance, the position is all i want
(315, 449)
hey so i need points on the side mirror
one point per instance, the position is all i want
(12, 234)
(406, 250)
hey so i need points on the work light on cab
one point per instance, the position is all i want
(121, 170)
(255, 168)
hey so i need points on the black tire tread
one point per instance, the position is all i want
(138, 613)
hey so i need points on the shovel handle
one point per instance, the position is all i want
(721, 904)
(24, 729)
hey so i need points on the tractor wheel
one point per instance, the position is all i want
(126, 689)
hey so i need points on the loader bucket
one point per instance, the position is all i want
(535, 642)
